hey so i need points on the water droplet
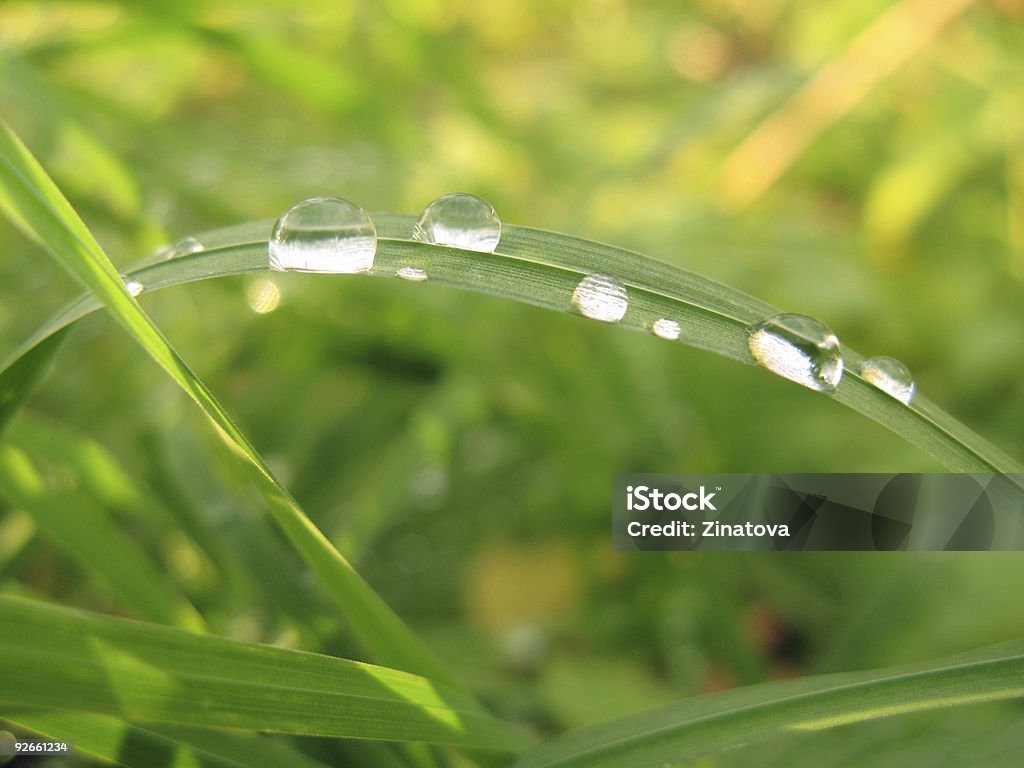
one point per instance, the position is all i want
(185, 246)
(415, 274)
(461, 220)
(263, 296)
(601, 297)
(134, 286)
(323, 234)
(798, 348)
(890, 376)
(664, 328)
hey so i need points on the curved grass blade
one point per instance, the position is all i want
(115, 741)
(33, 202)
(542, 268)
(18, 381)
(710, 724)
(55, 657)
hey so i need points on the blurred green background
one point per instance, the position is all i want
(862, 162)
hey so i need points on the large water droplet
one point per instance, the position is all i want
(323, 234)
(664, 328)
(890, 376)
(185, 246)
(798, 348)
(415, 274)
(601, 297)
(461, 220)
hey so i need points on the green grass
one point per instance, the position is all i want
(391, 522)
(61, 659)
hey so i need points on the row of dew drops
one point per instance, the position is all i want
(332, 235)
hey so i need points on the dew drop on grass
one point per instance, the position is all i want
(461, 220)
(890, 376)
(323, 234)
(415, 274)
(134, 286)
(664, 328)
(601, 297)
(185, 246)
(798, 348)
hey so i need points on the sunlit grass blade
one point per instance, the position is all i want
(86, 531)
(113, 740)
(18, 381)
(542, 268)
(711, 724)
(34, 203)
(66, 659)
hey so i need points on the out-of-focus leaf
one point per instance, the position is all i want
(113, 740)
(18, 381)
(87, 532)
(709, 724)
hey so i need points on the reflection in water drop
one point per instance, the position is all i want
(890, 376)
(263, 296)
(798, 348)
(185, 246)
(666, 329)
(323, 234)
(601, 297)
(415, 274)
(134, 286)
(461, 220)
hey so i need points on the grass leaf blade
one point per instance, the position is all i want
(35, 204)
(714, 723)
(18, 381)
(61, 658)
(133, 746)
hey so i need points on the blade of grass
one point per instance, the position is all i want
(34, 203)
(115, 741)
(86, 531)
(18, 381)
(901, 30)
(55, 657)
(711, 724)
(542, 268)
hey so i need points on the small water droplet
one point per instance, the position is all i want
(664, 328)
(461, 220)
(798, 348)
(134, 286)
(323, 234)
(415, 274)
(263, 296)
(185, 246)
(890, 376)
(601, 297)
